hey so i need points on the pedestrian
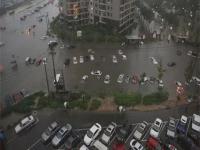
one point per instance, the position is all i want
(66, 104)
(120, 108)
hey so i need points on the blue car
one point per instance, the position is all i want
(182, 125)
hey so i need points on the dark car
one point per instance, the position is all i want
(67, 62)
(186, 143)
(52, 44)
(123, 132)
(72, 141)
(171, 64)
(48, 134)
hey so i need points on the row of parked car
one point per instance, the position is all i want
(114, 137)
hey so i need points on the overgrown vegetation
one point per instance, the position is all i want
(95, 104)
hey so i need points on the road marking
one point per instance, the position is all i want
(34, 144)
(148, 131)
(163, 126)
(114, 137)
(131, 133)
(188, 126)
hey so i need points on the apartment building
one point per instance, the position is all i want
(117, 13)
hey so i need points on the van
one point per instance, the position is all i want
(99, 146)
(57, 79)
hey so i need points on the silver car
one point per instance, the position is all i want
(109, 132)
(48, 134)
(61, 135)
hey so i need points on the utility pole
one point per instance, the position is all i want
(52, 53)
(45, 69)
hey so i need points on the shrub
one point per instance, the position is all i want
(79, 104)
(24, 106)
(127, 99)
(155, 98)
(95, 104)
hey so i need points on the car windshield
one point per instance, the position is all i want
(48, 131)
(195, 122)
(107, 133)
(89, 134)
(59, 134)
(156, 128)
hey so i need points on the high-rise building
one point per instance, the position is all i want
(117, 13)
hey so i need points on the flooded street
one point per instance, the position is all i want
(20, 44)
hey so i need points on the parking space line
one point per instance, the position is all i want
(114, 137)
(163, 126)
(148, 131)
(131, 133)
(188, 126)
(34, 144)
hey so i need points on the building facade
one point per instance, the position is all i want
(117, 13)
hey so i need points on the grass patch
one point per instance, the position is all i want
(127, 99)
(95, 104)
(155, 98)
(81, 104)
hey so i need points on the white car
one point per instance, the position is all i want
(25, 123)
(92, 57)
(81, 59)
(156, 127)
(140, 130)
(120, 52)
(120, 78)
(96, 73)
(171, 128)
(108, 133)
(196, 122)
(85, 77)
(135, 145)
(44, 37)
(124, 57)
(154, 60)
(189, 53)
(107, 79)
(75, 60)
(178, 83)
(160, 84)
(114, 59)
(92, 133)
(84, 147)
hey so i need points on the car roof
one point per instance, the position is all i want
(54, 125)
(196, 117)
(94, 127)
(65, 128)
(26, 119)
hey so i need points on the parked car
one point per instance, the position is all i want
(84, 147)
(135, 145)
(75, 60)
(38, 61)
(186, 143)
(118, 146)
(108, 133)
(120, 78)
(120, 52)
(107, 79)
(61, 135)
(124, 57)
(92, 133)
(123, 133)
(171, 64)
(98, 145)
(48, 134)
(156, 127)
(114, 59)
(92, 57)
(81, 59)
(153, 144)
(153, 60)
(25, 123)
(28, 60)
(196, 123)
(171, 128)
(96, 73)
(67, 62)
(127, 79)
(72, 141)
(85, 77)
(140, 130)
(182, 124)
(52, 44)
(178, 83)
(160, 84)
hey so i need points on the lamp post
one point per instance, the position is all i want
(45, 69)
(52, 53)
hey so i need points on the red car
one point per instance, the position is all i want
(118, 146)
(135, 79)
(153, 144)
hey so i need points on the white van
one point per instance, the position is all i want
(57, 79)
(99, 145)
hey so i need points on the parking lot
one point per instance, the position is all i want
(162, 137)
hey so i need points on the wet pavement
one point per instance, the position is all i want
(19, 44)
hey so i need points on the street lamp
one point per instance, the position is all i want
(53, 53)
(44, 60)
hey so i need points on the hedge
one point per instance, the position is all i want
(155, 98)
(127, 99)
